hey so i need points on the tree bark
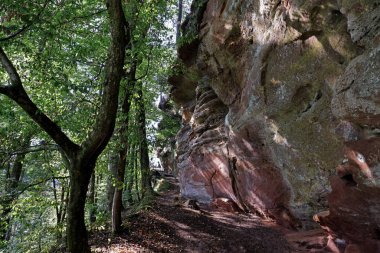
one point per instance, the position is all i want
(122, 161)
(77, 239)
(116, 211)
(117, 204)
(130, 174)
(136, 174)
(91, 199)
(146, 186)
(112, 168)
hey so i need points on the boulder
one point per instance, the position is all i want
(354, 203)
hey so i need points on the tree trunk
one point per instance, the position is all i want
(91, 199)
(123, 152)
(116, 210)
(144, 151)
(77, 239)
(117, 204)
(179, 21)
(112, 168)
(136, 175)
(130, 174)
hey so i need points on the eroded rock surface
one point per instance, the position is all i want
(277, 97)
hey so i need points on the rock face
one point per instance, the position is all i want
(277, 96)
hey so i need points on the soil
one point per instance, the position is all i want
(173, 227)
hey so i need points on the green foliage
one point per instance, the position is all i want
(60, 52)
(31, 217)
(60, 57)
(190, 28)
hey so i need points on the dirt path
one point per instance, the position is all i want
(169, 227)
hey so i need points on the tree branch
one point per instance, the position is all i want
(10, 69)
(33, 149)
(81, 17)
(37, 183)
(15, 193)
(26, 26)
(23, 29)
(17, 93)
(105, 122)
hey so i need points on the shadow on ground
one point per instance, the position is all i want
(169, 227)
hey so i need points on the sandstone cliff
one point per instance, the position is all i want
(280, 106)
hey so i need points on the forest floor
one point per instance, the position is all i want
(172, 227)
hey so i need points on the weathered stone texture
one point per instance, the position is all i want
(275, 96)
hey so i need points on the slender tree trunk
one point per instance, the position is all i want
(144, 151)
(122, 161)
(58, 209)
(91, 199)
(61, 211)
(130, 171)
(112, 168)
(179, 21)
(116, 210)
(55, 199)
(136, 175)
(65, 202)
(117, 204)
